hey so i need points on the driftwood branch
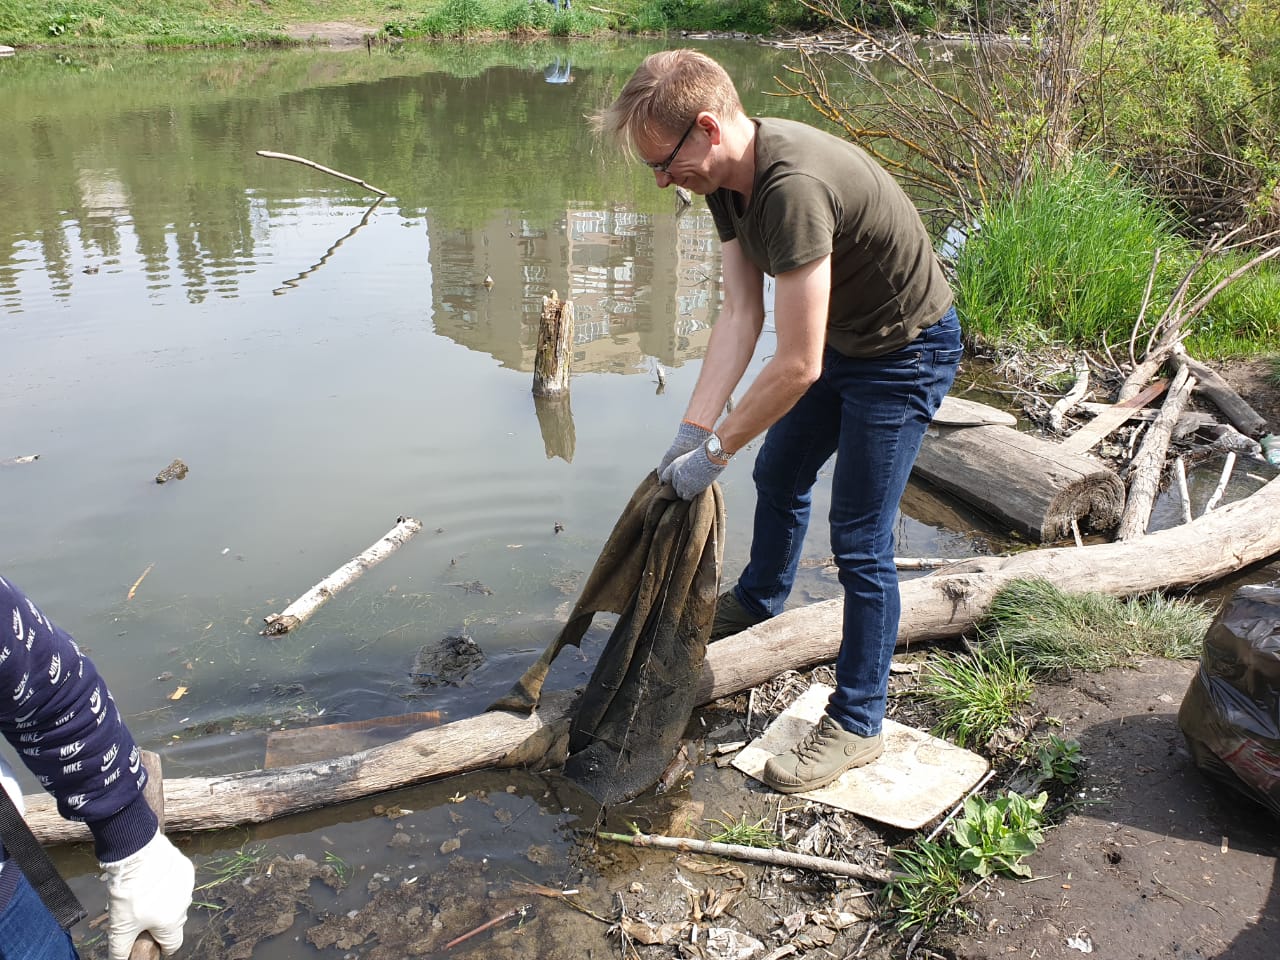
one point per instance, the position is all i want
(271, 154)
(941, 605)
(1084, 439)
(1058, 414)
(300, 610)
(1227, 466)
(777, 858)
(1184, 495)
(1166, 334)
(1144, 478)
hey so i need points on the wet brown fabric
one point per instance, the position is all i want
(660, 571)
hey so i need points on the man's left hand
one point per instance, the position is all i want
(692, 473)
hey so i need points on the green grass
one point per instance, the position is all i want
(165, 23)
(930, 888)
(1066, 260)
(1048, 630)
(977, 694)
(740, 831)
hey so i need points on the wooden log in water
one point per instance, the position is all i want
(554, 355)
(1233, 406)
(944, 604)
(1025, 483)
(1148, 464)
(298, 612)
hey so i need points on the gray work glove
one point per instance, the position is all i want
(692, 472)
(689, 436)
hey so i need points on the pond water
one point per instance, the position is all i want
(325, 365)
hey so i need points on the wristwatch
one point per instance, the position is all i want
(715, 452)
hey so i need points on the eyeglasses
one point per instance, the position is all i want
(671, 157)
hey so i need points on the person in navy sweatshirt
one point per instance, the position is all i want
(56, 712)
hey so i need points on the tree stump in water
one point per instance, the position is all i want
(1022, 481)
(555, 348)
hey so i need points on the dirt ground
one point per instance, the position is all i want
(1152, 861)
(332, 33)
(1158, 862)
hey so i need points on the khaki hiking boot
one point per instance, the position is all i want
(732, 617)
(826, 751)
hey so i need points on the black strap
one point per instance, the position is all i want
(26, 853)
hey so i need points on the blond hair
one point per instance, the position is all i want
(667, 91)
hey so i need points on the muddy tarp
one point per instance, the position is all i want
(1231, 713)
(659, 570)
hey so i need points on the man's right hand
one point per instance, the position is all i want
(689, 437)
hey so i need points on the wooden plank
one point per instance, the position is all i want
(1083, 440)
(958, 412)
(310, 744)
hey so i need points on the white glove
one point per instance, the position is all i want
(150, 890)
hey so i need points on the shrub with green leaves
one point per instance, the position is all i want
(1183, 95)
(1059, 761)
(995, 835)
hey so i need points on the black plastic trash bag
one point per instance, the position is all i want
(1231, 712)
(660, 571)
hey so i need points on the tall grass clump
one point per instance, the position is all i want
(929, 888)
(1064, 259)
(977, 694)
(1244, 317)
(1048, 630)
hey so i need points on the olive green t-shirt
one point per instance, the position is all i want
(816, 194)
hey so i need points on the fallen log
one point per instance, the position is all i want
(1038, 489)
(1148, 465)
(936, 606)
(1233, 406)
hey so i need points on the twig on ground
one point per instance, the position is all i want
(960, 806)
(778, 858)
(489, 924)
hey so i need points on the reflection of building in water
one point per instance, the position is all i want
(643, 287)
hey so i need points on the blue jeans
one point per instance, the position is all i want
(27, 928)
(872, 414)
